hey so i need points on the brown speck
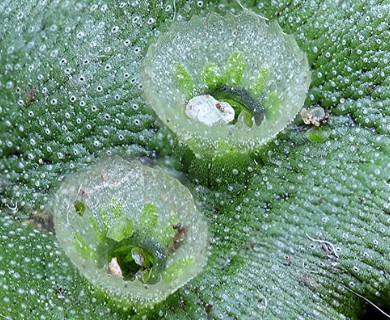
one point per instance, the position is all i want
(208, 308)
(31, 95)
(219, 107)
(178, 239)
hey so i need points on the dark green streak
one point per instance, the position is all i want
(240, 100)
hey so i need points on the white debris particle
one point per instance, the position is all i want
(315, 116)
(114, 268)
(207, 110)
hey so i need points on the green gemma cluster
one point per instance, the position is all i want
(225, 84)
(132, 230)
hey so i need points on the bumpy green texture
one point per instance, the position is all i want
(141, 236)
(268, 255)
(70, 89)
(240, 59)
(38, 282)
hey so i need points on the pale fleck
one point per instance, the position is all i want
(114, 268)
(138, 258)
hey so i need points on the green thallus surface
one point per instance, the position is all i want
(131, 230)
(249, 67)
